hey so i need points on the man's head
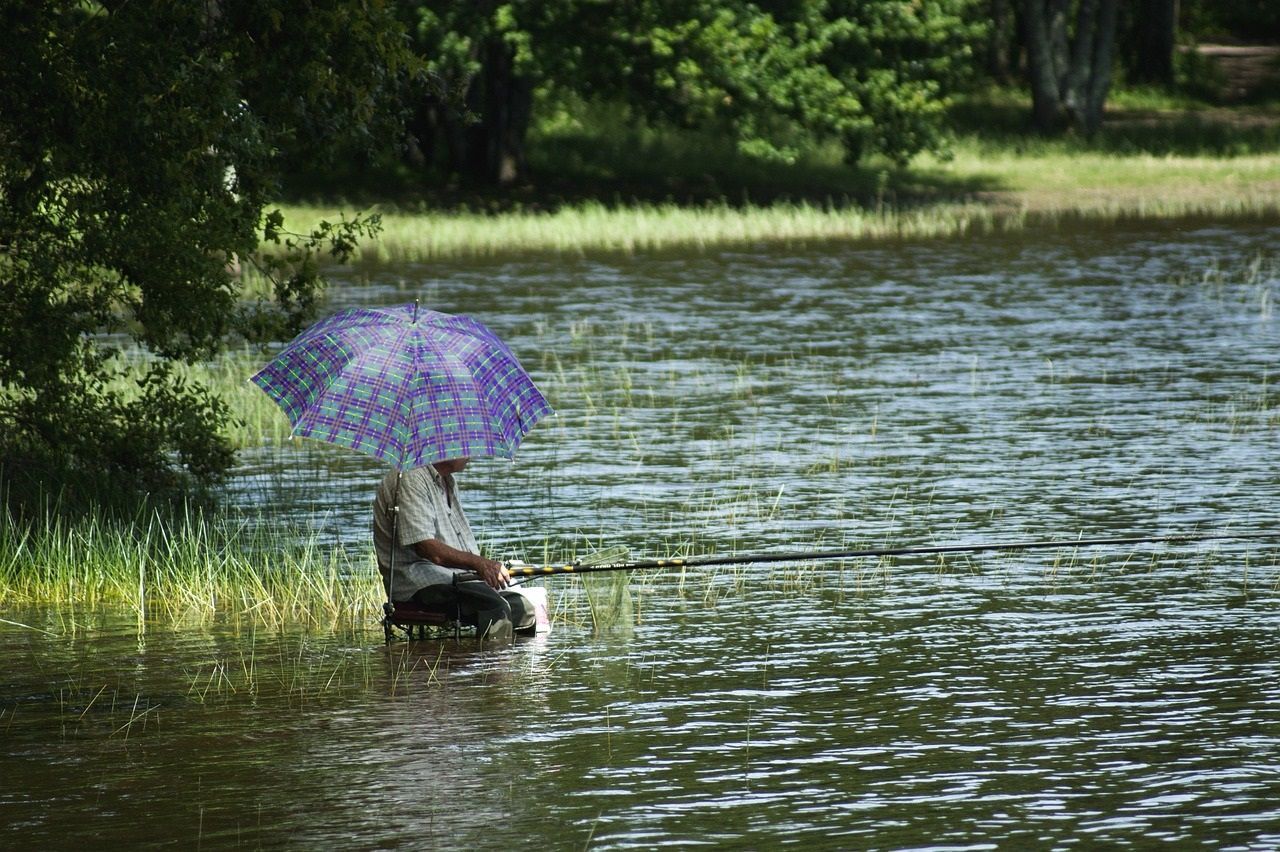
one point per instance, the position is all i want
(449, 467)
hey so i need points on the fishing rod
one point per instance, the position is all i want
(522, 570)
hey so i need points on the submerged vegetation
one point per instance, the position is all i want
(193, 571)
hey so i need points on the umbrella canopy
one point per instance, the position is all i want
(408, 386)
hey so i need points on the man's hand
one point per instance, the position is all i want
(493, 573)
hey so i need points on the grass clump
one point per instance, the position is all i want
(595, 227)
(183, 566)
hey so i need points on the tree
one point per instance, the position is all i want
(902, 62)
(476, 121)
(873, 75)
(1152, 35)
(140, 145)
(1004, 40)
(1248, 20)
(1069, 62)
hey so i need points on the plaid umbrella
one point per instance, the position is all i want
(407, 386)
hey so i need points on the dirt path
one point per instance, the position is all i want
(1246, 70)
(1245, 67)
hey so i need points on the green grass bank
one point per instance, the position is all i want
(600, 184)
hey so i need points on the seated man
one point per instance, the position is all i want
(435, 555)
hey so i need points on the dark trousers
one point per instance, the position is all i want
(477, 603)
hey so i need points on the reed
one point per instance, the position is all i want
(186, 566)
(296, 670)
(1242, 189)
(410, 237)
(594, 228)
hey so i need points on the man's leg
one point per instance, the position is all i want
(491, 610)
(522, 614)
(474, 601)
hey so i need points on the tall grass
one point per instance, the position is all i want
(183, 566)
(1025, 192)
(255, 419)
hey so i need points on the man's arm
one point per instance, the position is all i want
(435, 550)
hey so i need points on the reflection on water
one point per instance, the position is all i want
(1025, 386)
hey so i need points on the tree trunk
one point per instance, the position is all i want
(1154, 34)
(1041, 29)
(503, 102)
(1070, 72)
(486, 144)
(1002, 41)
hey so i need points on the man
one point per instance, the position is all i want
(434, 553)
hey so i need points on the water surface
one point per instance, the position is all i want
(1090, 381)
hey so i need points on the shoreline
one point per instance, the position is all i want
(1016, 194)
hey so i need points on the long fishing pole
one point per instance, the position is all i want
(521, 570)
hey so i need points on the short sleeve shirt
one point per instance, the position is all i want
(428, 509)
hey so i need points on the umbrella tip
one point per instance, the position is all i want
(415, 311)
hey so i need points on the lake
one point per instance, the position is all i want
(1086, 381)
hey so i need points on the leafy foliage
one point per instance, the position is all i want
(873, 75)
(140, 144)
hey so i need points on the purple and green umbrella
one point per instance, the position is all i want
(408, 386)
